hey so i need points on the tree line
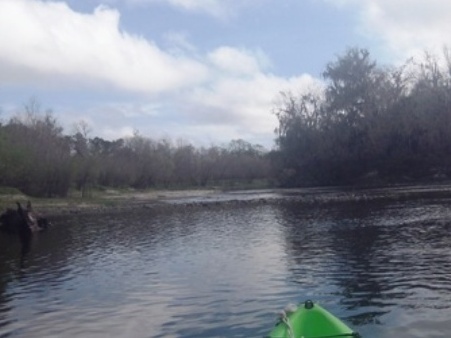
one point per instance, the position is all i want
(37, 158)
(368, 123)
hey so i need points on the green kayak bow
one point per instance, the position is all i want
(310, 320)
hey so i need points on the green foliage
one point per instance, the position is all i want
(38, 159)
(35, 158)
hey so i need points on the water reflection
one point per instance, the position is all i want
(373, 258)
(384, 268)
(357, 245)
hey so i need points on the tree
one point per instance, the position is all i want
(300, 141)
(83, 162)
(186, 164)
(38, 152)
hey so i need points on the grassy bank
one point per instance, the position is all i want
(98, 200)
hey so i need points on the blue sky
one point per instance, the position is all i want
(205, 71)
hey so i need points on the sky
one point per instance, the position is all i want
(202, 71)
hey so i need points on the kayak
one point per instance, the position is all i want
(310, 320)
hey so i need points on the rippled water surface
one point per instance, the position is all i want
(385, 269)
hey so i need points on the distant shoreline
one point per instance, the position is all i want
(113, 201)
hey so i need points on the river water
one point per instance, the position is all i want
(222, 271)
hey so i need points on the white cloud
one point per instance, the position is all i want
(246, 102)
(120, 110)
(235, 61)
(229, 107)
(54, 43)
(112, 133)
(405, 27)
(223, 94)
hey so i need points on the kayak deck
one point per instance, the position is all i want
(310, 320)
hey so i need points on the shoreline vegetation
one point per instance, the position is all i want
(119, 201)
(368, 125)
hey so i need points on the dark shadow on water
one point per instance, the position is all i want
(371, 258)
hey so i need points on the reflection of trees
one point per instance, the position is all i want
(355, 240)
(378, 256)
(49, 253)
(9, 262)
(336, 246)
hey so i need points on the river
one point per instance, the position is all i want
(224, 271)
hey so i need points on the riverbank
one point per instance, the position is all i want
(109, 200)
(113, 201)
